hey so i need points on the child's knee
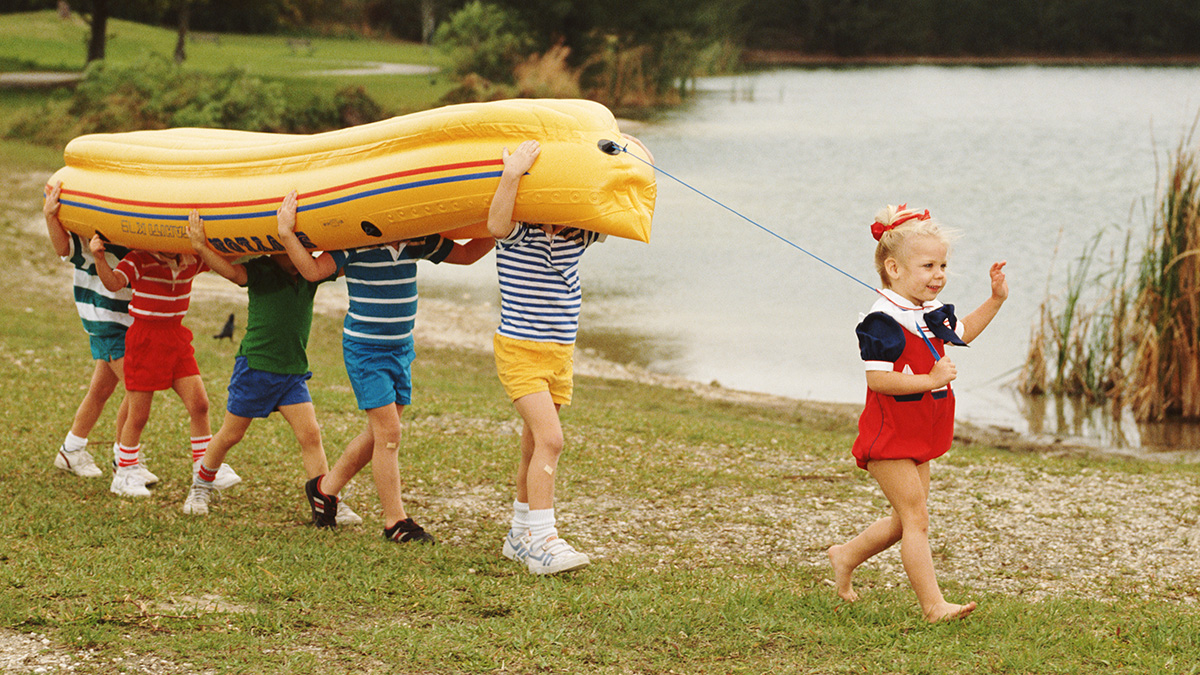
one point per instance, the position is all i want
(309, 438)
(198, 407)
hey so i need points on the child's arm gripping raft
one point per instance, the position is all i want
(406, 177)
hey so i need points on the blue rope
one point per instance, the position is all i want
(624, 149)
(751, 221)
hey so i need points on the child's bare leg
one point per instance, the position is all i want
(523, 464)
(302, 417)
(101, 387)
(232, 430)
(906, 486)
(195, 399)
(385, 463)
(846, 558)
(353, 459)
(138, 416)
(540, 461)
(117, 367)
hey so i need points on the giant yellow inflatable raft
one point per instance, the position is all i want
(433, 171)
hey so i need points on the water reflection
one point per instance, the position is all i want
(1110, 427)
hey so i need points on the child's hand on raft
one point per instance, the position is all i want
(521, 159)
(999, 282)
(195, 231)
(50, 206)
(96, 245)
(287, 214)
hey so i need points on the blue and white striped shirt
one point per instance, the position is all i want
(540, 294)
(382, 284)
(103, 312)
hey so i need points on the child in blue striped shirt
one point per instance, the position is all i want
(540, 299)
(377, 344)
(105, 316)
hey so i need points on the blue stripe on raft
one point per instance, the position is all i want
(301, 209)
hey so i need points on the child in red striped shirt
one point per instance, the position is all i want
(158, 356)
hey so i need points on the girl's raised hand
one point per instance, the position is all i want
(999, 282)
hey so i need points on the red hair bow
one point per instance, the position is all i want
(901, 217)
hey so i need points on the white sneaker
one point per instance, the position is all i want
(148, 477)
(197, 500)
(516, 545)
(226, 476)
(127, 482)
(79, 462)
(553, 556)
(347, 517)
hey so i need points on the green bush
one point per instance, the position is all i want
(155, 93)
(484, 40)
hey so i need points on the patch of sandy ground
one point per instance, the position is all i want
(997, 527)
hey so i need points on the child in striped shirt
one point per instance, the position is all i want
(377, 344)
(105, 317)
(158, 355)
(540, 299)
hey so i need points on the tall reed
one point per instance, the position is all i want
(1166, 364)
(1117, 339)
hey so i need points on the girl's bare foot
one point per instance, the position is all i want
(945, 611)
(842, 574)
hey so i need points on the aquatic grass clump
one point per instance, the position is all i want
(1123, 340)
(1079, 349)
(1166, 364)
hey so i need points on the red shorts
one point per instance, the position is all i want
(157, 353)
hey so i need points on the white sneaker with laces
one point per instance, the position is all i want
(79, 462)
(127, 481)
(226, 476)
(197, 500)
(516, 545)
(554, 556)
(347, 517)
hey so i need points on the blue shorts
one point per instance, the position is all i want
(258, 393)
(107, 347)
(380, 374)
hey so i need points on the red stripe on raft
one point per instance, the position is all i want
(276, 200)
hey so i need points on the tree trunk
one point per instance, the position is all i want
(99, 30)
(185, 11)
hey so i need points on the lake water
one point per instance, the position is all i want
(1027, 163)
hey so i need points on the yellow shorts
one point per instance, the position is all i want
(527, 367)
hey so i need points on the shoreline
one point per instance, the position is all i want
(779, 57)
(450, 324)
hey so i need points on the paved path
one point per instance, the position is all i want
(37, 80)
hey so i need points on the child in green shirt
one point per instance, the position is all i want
(271, 368)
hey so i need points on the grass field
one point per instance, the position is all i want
(41, 41)
(653, 485)
(677, 496)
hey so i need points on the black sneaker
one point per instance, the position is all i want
(406, 531)
(324, 507)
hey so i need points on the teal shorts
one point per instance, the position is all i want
(380, 374)
(107, 347)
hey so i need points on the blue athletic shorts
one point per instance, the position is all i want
(380, 374)
(257, 393)
(107, 347)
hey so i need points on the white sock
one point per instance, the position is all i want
(73, 443)
(128, 456)
(199, 445)
(520, 519)
(541, 524)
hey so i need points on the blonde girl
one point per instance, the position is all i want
(908, 418)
